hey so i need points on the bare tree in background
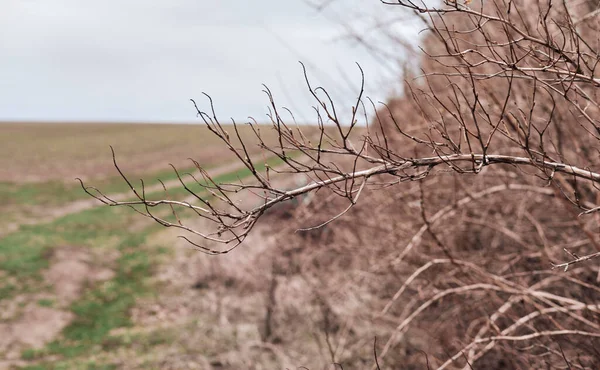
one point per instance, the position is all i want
(497, 267)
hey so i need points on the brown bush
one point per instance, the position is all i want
(458, 227)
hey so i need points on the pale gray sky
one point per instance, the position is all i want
(142, 60)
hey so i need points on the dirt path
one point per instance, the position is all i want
(72, 268)
(52, 214)
(24, 323)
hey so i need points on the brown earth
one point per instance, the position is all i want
(28, 324)
(38, 152)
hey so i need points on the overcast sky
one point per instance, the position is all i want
(142, 60)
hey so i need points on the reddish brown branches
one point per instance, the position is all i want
(501, 126)
(469, 126)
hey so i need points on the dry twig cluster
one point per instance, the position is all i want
(455, 204)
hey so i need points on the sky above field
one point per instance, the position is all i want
(141, 60)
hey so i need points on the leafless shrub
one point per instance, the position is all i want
(462, 220)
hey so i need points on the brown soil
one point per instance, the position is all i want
(72, 268)
(38, 152)
(26, 324)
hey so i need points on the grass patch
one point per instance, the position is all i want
(46, 302)
(22, 254)
(102, 307)
(106, 306)
(6, 289)
(29, 354)
(48, 193)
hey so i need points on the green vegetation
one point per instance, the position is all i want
(22, 254)
(37, 183)
(104, 306)
(45, 302)
(52, 193)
